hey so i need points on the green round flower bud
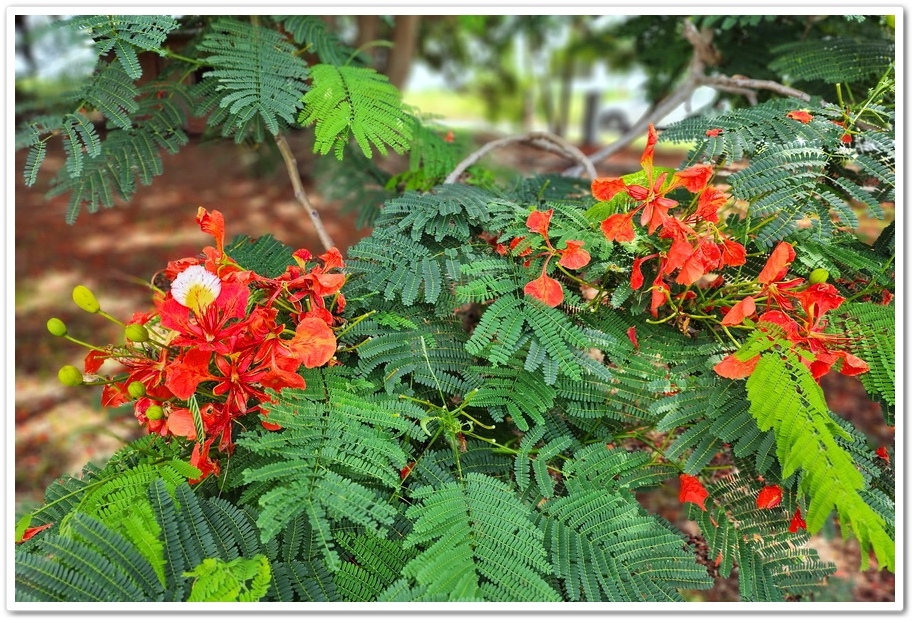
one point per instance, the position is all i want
(136, 333)
(136, 390)
(154, 412)
(70, 376)
(57, 327)
(818, 275)
(85, 299)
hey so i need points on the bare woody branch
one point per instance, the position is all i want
(542, 140)
(704, 55)
(292, 169)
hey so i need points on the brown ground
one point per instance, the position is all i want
(114, 252)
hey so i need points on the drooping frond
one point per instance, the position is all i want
(393, 264)
(784, 397)
(256, 73)
(748, 132)
(713, 412)
(355, 102)
(430, 354)
(771, 562)
(125, 34)
(457, 528)
(513, 392)
(126, 156)
(833, 59)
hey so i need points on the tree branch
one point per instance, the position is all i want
(542, 140)
(292, 169)
(704, 54)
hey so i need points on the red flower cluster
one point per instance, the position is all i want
(220, 339)
(697, 247)
(798, 310)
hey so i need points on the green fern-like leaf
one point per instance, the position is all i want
(605, 548)
(833, 59)
(256, 73)
(93, 563)
(463, 557)
(358, 102)
(125, 34)
(312, 31)
(241, 579)
(784, 397)
(871, 332)
(515, 393)
(772, 563)
(376, 565)
(335, 447)
(114, 94)
(448, 210)
(266, 255)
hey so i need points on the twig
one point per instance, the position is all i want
(740, 82)
(543, 140)
(704, 54)
(292, 168)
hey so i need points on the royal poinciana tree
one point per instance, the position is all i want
(470, 403)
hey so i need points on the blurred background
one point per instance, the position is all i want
(588, 79)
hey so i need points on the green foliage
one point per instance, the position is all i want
(355, 101)
(256, 72)
(784, 397)
(870, 328)
(793, 175)
(470, 440)
(242, 579)
(464, 558)
(125, 34)
(771, 563)
(833, 59)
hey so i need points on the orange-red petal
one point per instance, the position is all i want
(692, 490)
(733, 368)
(797, 522)
(606, 188)
(545, 289)
(736, 315)
(618, 228)
(314, 343)
(538, 222)
(769, 497)
(573, 256)
(777, 264)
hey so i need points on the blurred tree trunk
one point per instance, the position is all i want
(400, 59)
(394, 62)
(24, 44)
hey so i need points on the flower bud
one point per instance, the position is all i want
(818, 275)
(154, 412)
(136, 333)
(70, 376)
(85, 299)
(136, 390)
(57, 327)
